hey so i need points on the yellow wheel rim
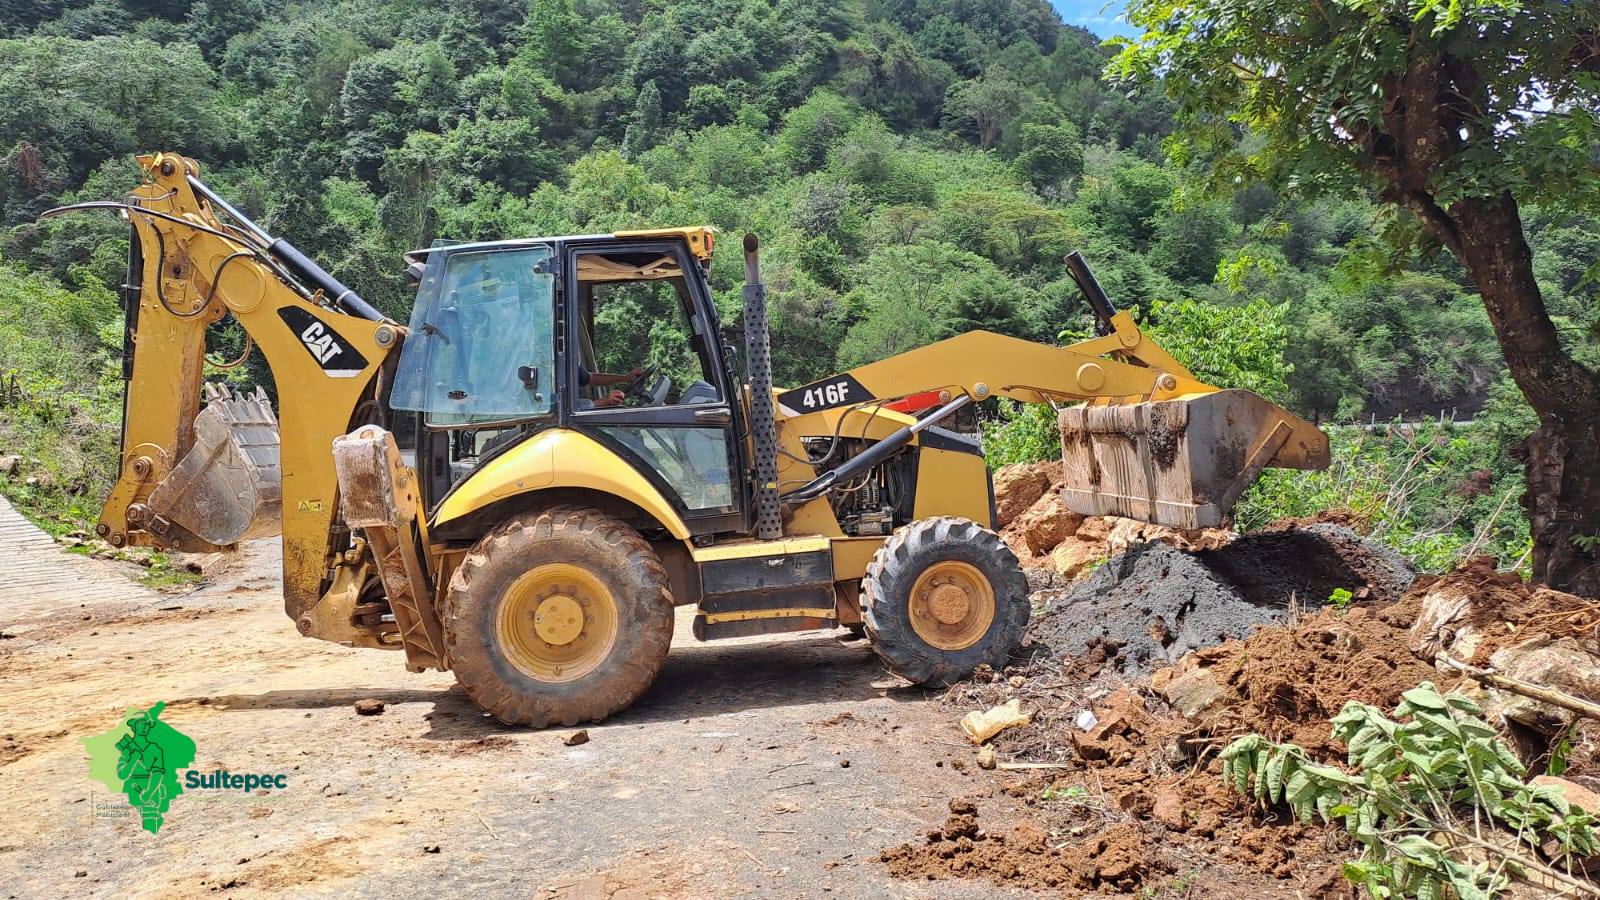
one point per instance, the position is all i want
(952, 605)
(557, 622)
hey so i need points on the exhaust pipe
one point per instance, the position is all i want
(763, 427)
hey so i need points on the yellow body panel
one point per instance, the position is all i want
(747, 549)
(951, 483)
(558, 458)
(851, 555)
(701, 239)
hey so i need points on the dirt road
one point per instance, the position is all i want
(728, 779)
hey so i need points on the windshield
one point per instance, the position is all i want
(481, 346)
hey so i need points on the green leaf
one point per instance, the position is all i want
(1425, 696)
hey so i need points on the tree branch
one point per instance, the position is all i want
(1526, 689)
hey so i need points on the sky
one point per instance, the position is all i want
(1103, 17)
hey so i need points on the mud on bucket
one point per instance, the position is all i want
(1181, 463)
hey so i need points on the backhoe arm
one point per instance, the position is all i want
(193, 260)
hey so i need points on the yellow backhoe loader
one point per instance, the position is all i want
(473, 489)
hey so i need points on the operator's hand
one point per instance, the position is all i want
(612, 399)
(635, 372)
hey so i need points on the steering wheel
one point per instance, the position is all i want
(636, 388)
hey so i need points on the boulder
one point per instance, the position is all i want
(1045, 524)
(1017, 487)
(1073, 558)
(1562, 664)
(1192, 693)
(1573, 792)
(1126, 533)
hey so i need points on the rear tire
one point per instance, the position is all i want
(943, 596)
(561, 615)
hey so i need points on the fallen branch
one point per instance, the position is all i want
(1585, 888)
(1526, 689)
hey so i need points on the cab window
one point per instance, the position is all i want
(481, 346)
(638, 344)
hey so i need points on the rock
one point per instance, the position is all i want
(844, 763)
(10, 464)
(1046, 523)
(430, 848)
(1573, 792)
(1116, 714)
(986, 759)
(1438, 625)
(1126, 533)
(581, 736)
(1168, 810)
(369, 707)
(1073, 558)
(1017, 487)
(1560, 664)
(1193, 692)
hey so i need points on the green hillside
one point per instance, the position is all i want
(916, 167)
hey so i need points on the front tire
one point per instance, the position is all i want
(561, 615)
(943, 596)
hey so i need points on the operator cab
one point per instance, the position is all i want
(613, 336)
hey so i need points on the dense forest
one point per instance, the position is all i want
(916, 167)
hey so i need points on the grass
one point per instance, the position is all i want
(59, 514)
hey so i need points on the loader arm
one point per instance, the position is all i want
(192, 261)
(1151, 441)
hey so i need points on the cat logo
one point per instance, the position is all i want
(320, 343)
(332, 353)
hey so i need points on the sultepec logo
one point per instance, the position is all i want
(141, 758)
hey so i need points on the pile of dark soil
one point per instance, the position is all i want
(1154, 603)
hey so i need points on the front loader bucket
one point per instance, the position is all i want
(228, 487)
(1181, 463)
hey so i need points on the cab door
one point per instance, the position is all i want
(644, 305)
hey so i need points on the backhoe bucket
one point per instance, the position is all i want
(1181, 463)
(228, 487)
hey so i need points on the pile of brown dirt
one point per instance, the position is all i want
(1287, 682)
(1135, 763)
(1116, 857)
(1057, 546)
(1476, 610)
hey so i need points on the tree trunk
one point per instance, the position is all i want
(1563, 455)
